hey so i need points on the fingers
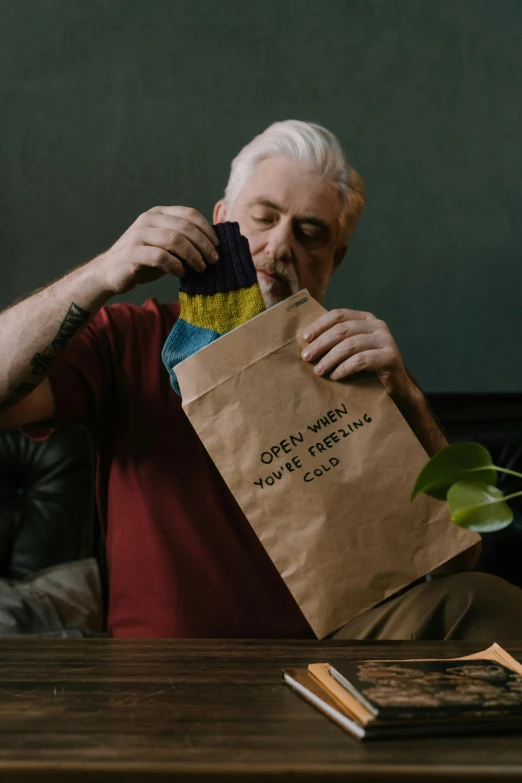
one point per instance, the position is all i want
(192, 216)
(157, 260)
(175, 243)
(160, 241)
(334, 317)
(335, 335)
(345, 350)
(344, 342)
(367, 361)
(190, 231)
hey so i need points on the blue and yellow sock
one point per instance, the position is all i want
(215, 301)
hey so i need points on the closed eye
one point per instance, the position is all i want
(312, 234)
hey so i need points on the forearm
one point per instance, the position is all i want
(416, 410)
(36, 330)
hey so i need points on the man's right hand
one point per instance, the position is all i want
(155, 245)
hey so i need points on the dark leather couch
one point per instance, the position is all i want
(47, 504)
(48, 513)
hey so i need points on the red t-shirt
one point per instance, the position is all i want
(183, 560)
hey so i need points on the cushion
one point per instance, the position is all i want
(64, 597)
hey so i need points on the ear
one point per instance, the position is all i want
(220, 212)
(339, 255)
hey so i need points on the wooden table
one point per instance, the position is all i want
(162, 710)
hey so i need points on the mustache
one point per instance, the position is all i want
(280, 269)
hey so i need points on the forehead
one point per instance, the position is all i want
(297, 192)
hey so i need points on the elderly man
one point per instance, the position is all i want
(183, 560)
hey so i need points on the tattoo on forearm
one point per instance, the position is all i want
(19, 393)
(74, 320)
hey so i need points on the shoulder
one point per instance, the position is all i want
(152, 318)
(150, 313)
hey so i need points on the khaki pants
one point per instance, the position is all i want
(469, 606)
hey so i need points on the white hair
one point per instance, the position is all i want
(311, 146)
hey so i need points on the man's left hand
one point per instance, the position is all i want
(344, 342)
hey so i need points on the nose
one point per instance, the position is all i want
(280, 242)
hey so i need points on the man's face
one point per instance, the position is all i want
(291, 221)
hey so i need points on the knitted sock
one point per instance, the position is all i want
(215, 301)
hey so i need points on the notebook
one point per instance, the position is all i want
(481, 693)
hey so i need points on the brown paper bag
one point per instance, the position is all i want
(322, 469)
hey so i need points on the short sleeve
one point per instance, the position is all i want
(96, 373)
(83, 378)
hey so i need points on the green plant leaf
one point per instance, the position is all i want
(453, 464)
(478, 506)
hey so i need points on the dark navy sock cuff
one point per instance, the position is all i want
(234, 270)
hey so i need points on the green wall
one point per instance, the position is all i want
(109, 107)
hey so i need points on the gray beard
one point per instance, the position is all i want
(271, 294)
(270, 298)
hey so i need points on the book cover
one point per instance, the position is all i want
(394, 688)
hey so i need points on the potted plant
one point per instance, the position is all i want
(465, 476)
